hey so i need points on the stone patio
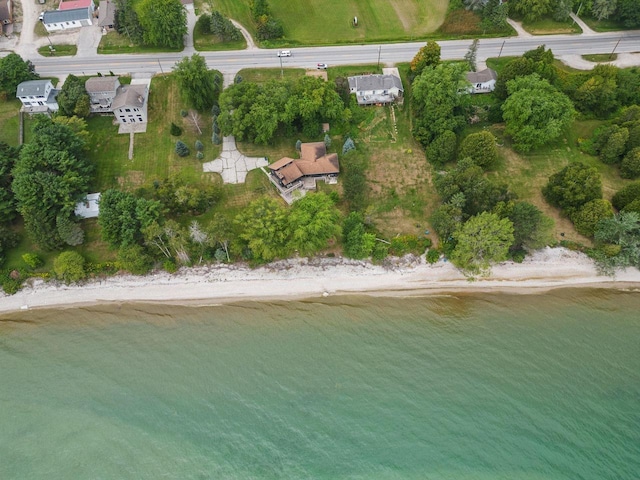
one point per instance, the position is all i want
(232, 165)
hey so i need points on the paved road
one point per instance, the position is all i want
(308, 57)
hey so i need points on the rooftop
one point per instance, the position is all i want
(130, 96)
(102, 84)
(482, 76)
(32, 88)
(59, 16)
(71, 4)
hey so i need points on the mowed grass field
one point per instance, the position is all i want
(314, 22)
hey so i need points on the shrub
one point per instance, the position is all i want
(183, 113)
(298, 145)
(630, 166)
(199, 146)
(633, 206)
(200, 155)
(69, 266)
(348, 146)
(626, 195)
(134, 259)
(327, 140)
(170, 266)
(433, 255)
(442, 149)
(175, 130)
(481, 148)
(32, 260)
(380, 252)
(588, 216)
(181, 149)
(215, 110)
(215, 138)
(615, 146)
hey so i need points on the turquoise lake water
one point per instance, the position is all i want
(454, 387)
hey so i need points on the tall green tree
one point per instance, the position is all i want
(436, 100)
(599, 93)
(164, 22)
(50, 176)
(314, 220)
(427, 56)
(126, 20)
(123, 217)
(619, 240)
(73, 98)
(198, 85)
(603, 9)
(628, 12)
(483, 240)
(8, 158)
(531, 227)
(587, 217)
(13, 71)
(535, 112)
(263, 226)
(572, 187)
(481, 147)
(532, 10)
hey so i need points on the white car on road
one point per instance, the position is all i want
(284, 53)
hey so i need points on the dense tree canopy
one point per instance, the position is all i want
(436, 99)
(164, 22)
(427, 56)
(572, 187)
(535, 112)
(263, 226)
(254, 112)
(123, 217)
(13, 71)
(50, 176)
(531, 227)
(126, 20)
(313, 221)
(198, 85)
(481, 147)
(483, 240)
(73, 98)
(539, 60)
(587, 217)
(8, 158)
(619, 240)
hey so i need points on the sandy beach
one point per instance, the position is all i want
(316, 278)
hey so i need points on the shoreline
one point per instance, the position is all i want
(317, 278)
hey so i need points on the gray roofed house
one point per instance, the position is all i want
(54, 20)
(130, 104)
(102, 91)
(106, 14)
(377, 89)
(37, 96)
(483, 81)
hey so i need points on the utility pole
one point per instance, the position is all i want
(503, 42)
(379, 50)
(161, 71)
(281, 70)
(614, 48)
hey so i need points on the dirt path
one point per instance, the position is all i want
(247, 36)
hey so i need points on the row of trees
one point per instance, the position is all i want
(269, 28)
(158, 23)
(255, 112)
(625, 11)
(618, 143)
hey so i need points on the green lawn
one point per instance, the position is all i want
(608, 25)
(113, 42)
(9, 121)
(315, 22)
(206, 42)
(262, 75)
(548, 26)
(600, 57)
(154, 157)
(60, 50)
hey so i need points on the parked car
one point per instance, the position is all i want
(322, 66)
(284, 53)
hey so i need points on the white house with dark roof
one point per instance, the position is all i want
(37, 96)
(102, 92)
(378, 89)
(55, 20)
(483, 81)
(130, 104)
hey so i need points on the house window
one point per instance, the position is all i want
(127, 110)
(478, 85)
(124, 120)
(139, 118)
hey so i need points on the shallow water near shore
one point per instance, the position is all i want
(449, 387)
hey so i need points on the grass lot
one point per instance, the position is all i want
(316, 22)
(206, 42)
(61, 50)
(263, 75)
(608, 25)
(9, 121)
(548, 26)
(601, 57)
(154, 157)
(113, 42)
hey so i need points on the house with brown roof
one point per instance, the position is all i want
(130, 104)
(314, 164)
(6, 17)
(102, 92)
(483, 81)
